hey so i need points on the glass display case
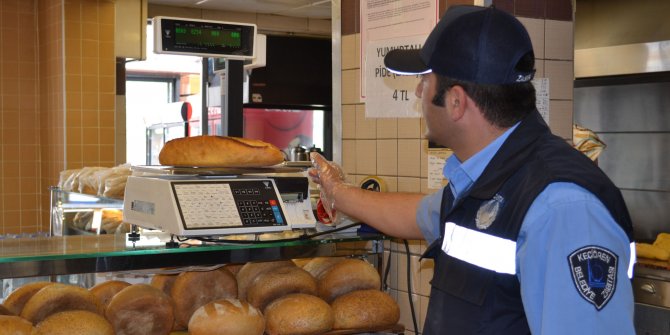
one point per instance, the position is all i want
(83, 214)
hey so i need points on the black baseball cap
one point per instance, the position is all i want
(482, 45)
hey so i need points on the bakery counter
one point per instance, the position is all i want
(75, 254)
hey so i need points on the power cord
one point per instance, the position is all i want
(409, 287)
(299, 238)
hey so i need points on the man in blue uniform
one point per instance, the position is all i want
(529, 236)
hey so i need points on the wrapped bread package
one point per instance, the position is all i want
(587, 142)
(219, 151)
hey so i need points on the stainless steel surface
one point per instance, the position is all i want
(650, 212)
(634, 107)
(336, 35)
(623, 59)
(637, 160)
(631, 115)
(652, 291)
(651, 320)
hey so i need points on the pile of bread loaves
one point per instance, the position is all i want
(311, 296)
(97, 181)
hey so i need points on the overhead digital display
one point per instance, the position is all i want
(204, 38)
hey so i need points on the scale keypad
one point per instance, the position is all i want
(224, 204)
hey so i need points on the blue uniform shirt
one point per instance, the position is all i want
(563, 218)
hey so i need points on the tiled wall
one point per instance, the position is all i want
(90, 84)
(57, 107)
(393, 149)
(19, 117)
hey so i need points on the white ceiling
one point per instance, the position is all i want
(317, 9)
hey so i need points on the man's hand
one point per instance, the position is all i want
(330, 178)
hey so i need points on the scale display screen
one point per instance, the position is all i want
(204, 38)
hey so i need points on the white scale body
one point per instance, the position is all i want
(192, 206)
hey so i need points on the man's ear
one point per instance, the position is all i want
(456, 101)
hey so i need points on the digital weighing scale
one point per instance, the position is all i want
(212, 202)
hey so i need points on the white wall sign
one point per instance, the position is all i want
(390, 95)
(390, 19)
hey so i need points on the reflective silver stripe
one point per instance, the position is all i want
(480, 249)
(491, 252)
(633, 260)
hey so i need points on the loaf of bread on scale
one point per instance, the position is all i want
(219, 151)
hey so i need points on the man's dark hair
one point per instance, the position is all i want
(502, 105)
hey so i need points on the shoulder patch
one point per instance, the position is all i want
(594, 272)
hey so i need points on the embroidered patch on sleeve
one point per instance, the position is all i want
(594, 272)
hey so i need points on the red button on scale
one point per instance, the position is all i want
(273, 202)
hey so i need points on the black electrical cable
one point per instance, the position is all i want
(409, 286)
(299, 238)
(386, 272)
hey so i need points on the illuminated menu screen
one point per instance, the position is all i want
(212, 38)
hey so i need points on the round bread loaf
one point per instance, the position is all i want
(105, 291)
(195, 288)
(227, 317)
(14, 325)
(365, 309)
(74, 323)
(56, 298)
(279, 282)
(298, 314)
(251, 270)
(141, 309)
(234, 268)
(348, 275)
(163, 282)
(18, 298)
(5, 311)
(318, 265)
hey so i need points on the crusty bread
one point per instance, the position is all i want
(56, 298)
(5, 311)
(105, 291)
(74, 323)
(226, 317)
(18, 298)
(347, 275)
(141, 309)
(14, 325)
(365, 309)
(278, 282)
(318, 265)
(251, 270)
(193, 289)
(163, 282)
(225, 151)
(298, 314)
